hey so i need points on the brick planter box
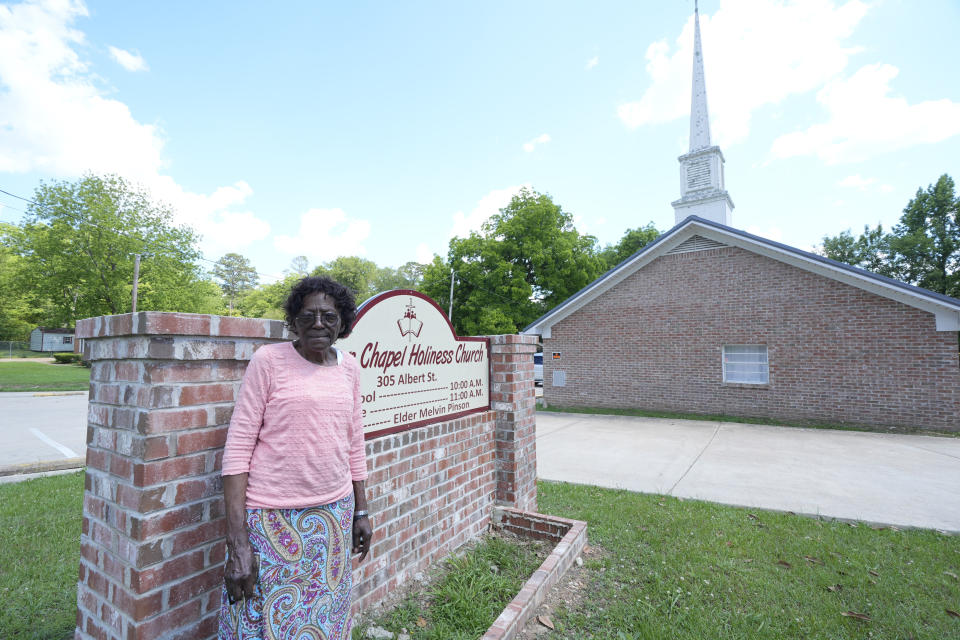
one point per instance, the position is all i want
(570, 537)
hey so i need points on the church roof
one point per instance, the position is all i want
(696, 234)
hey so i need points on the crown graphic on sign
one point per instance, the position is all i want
(408, 324)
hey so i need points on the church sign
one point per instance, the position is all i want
(414, 368)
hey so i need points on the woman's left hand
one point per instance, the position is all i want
(362, 535)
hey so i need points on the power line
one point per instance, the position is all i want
(83, 220)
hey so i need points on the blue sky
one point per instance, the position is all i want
(382, 129)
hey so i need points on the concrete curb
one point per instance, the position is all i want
(570, 537)
(42, 466)
(44, 394)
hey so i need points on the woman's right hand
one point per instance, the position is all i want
(241, 571)
(242, 568)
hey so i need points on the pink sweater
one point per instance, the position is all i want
(296, 430)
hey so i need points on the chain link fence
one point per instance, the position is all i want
(11, 349)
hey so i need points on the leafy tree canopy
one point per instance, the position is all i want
(923, 249)
(925, 245)
(527, 259)
(299, 266)
(869, 251)
(266, 301)
(366, 279)
(75, 252)
(236, 275)
(632, 241)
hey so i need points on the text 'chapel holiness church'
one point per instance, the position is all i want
(710, 319)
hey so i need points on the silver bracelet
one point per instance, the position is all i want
(359, 514)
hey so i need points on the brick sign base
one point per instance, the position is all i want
(162, 389)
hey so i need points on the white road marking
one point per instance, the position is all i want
(67, 452)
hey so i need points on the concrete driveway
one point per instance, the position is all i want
(879, 478)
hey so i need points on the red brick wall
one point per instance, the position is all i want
(837, 354)
(161, 395)
(512, 395)
(430, 490)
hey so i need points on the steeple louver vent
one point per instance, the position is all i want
(696, 243)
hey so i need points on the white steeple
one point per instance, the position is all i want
(702, 190)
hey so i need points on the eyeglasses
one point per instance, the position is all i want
(309, 318)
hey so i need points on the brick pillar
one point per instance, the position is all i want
(162, 388)
(513, 397)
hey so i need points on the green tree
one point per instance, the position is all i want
(266, 301)
(236, 276)
(406, 276)
(923, 249)
(925, 245)
(411, 273)
(632, 241)
(76, 248)
(299, 266)
(358, 274)
(527, 259)
(870, 250)
(19, 309)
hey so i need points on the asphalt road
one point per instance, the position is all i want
(875, 477)
(40, 428)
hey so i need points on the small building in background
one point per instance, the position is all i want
(47, 339)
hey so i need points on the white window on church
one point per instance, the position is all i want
(746, 363)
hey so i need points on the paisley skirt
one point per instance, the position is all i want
(305, 578)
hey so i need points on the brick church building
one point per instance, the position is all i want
(710, 319)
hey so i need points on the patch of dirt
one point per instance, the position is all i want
(570, 591)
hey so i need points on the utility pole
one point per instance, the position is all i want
(136, 278)
(450, 310)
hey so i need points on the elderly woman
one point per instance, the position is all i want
(293, 476)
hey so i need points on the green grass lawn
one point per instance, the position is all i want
(40, 376)
(687, 569)
(40, 557)
(660, 568)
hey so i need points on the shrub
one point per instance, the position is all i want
(66, 358)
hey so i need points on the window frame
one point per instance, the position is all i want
(723, 364)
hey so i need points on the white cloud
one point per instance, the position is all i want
(543, 138)
(592, 62)
(488, 205)
(127, 60)
(802, 45)
(886, 188)
(56, 120)
(857, 182)
(863, 120)
(325, 234)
